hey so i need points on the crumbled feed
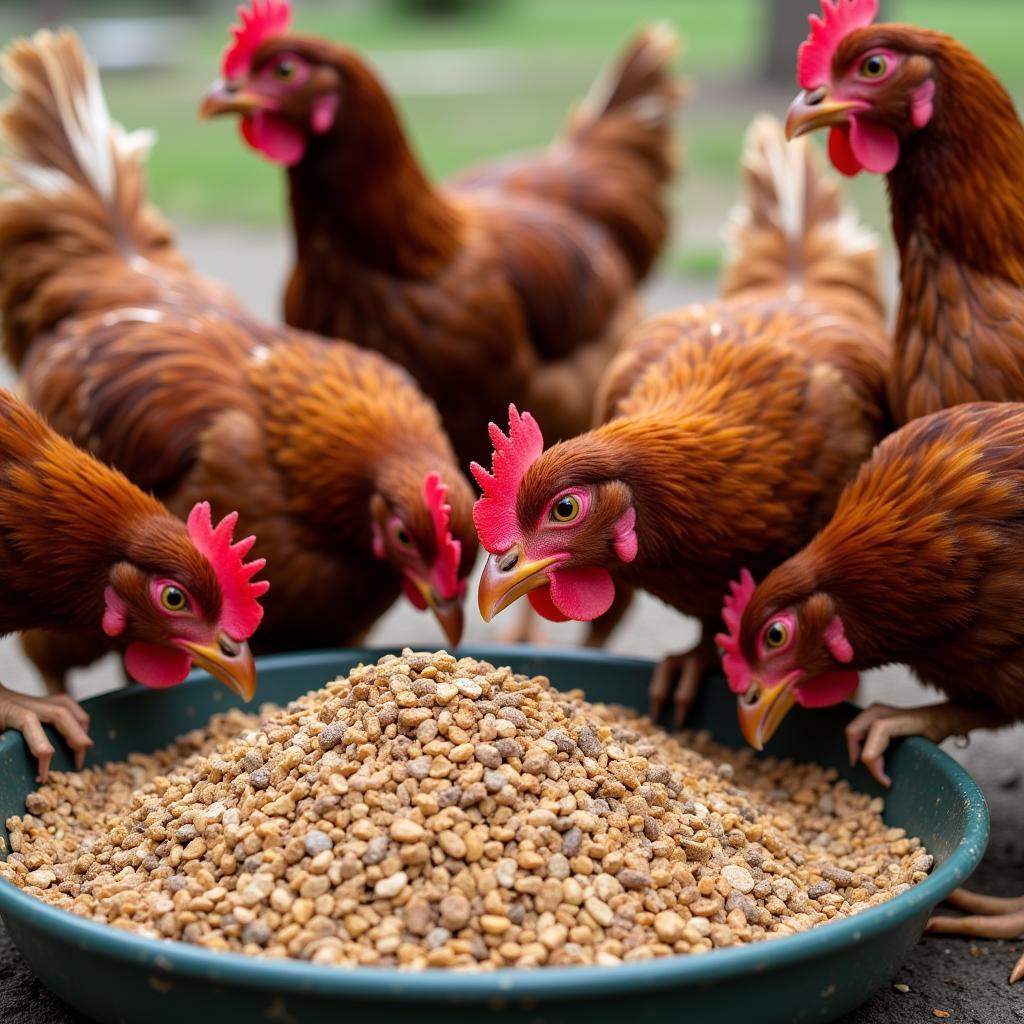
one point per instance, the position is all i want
(433, 812)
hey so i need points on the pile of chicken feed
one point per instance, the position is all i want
(433, 812)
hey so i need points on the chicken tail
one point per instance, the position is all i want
(75, 195)
(616, 154)
(624, 131)
(632, 105)
(794, 227)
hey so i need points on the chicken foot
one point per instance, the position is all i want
(870, 733)
(678, 676)
(990, 917)
(27, 715)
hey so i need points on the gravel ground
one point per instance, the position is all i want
(965, 979)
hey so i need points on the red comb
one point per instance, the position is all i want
(495, 513)
(242, 611)
(257, 23)
(838, 17)
(735, 666)
(449, 550)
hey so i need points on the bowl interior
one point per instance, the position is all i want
(932, 798)
(136, 719)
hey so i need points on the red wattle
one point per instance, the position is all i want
(156, 667)
(544, 606)
(831, 688)
(840, 151)
(876, 148)
(274, 137)
(582, 594)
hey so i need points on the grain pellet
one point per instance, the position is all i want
(432, 812)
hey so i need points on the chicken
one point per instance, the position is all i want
(726, 430)
(917, 106)
(921, 564)
(516, 282)
(83, 549)
(330, 454)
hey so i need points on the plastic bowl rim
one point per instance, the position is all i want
(173, 958)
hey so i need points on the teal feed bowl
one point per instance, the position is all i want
(119, 978)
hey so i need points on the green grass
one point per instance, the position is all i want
(716, 32)
(203, 172)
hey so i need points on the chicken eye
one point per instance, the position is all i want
(402, 536)
(566, 509)
(173, 599)
(874, 66)
(776, 635)
(285, 69)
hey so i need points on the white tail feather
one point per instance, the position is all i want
(74, 221)
(94, 140)
(793, 223)
(660, 44)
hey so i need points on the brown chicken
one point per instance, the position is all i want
(921, 565)
(919, 107)
(83, 549)
(728, 429)
(330, 453)
(515, 283)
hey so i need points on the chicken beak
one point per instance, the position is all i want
(506, 577)
(814, 108)
(227, 660)
(761, 710)
(447, 611)
(225, 98)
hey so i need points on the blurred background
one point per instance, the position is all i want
(474, 79)
(478, 78)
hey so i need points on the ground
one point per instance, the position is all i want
(966, 979)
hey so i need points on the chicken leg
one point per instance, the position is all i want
(990, 917)
(27, 714)
(679, 676)
(55, 654)
(869, 734)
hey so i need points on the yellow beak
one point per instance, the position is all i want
(224, 98)
(507, 577)
(760, 710)
(814, 108)
(447, 611)
(229, 661)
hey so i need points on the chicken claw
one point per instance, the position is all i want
(991, 917)
(869, 734)
(27, 715)
(679, 676)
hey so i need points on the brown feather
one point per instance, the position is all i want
(731, 427)
(958, 218)
(515, 283)
(163, 374)
(922, 558)
(67, 522)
